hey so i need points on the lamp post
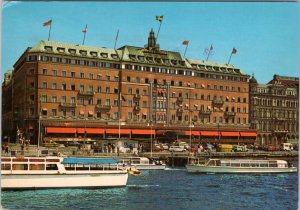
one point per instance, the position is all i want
(84, 126)
(150, 123)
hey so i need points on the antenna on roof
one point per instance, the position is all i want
(116, 39)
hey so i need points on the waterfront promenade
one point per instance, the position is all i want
(172, 158)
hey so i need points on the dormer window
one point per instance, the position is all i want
(182, 63)
(150, 59)
(237, 71)
(94, 54)
(114, 56)
(61, 50)
(132, 57)
(48, 48)
(83, 52)
(209, 67)
(104, 55)
(157, 60)
(174, 62)
(166, 61)
(194, 66)
(223, 69)
(216, 68)
(72, 51)
(141, 58)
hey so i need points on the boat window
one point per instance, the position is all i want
(36, 167)
(211, 163)
(273, 164)
(51, 167)
(20, 160)
(235, 164)
(96, 167)
(264, 164)
(218, 163)
(52, 160)
(37, 160)
(69, 167)
(5, 159)
(245, 164)
(23, 167)
(254, 164)
(5, 166)
(82, 167)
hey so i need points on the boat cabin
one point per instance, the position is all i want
(248, 163)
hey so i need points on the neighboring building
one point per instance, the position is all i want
(7, 113)
(274, 110)
(74, 90)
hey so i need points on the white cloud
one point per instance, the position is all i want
(6, 4)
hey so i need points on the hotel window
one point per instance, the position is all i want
(144, 104)
(73, 86)
(91, 88)
(146, 80)
(238, 99)
(239, 89)
(137, 80)
(54, 72)
(73, 74)
(64, 73)
(45, 71)
(195, 96)
(73, 61)
(128, 79)
(73, 99)
(147, 68)
(186, 118)
(81, 87)
(63, 86)
(186, 95)
(99, 101)
(99, 77)
(72, 112)
(232, 109)
(116, 90)
(81, 75)
(238, 110)
(44, 98)
(244, 100)
(44, 84)
(215, 97)
(116, 115)
(98, 114)
(44, 112)
(180, 83)
(208, 119)
(54, 112)
(99, 89)
(108, 77)
(129, 115)
(130, 90)
(244, 110)
(227, 88)
(137, 91)
(238, 120)
(107, 90)
(91, 63)
(244, 120)
(81, 100)
(116, 79)
(201, 119)
(163, 70)
(91, 76)
(233, 89)
(116, 102)
(107, 102)
(64, 60)
(90, 101)
(173, 117)
(195, 85)
(63, 99)
(129, 103)
(54, 85)
(63, 113)
(220, 119)
(173, 95)
(108, 65)
(202, 96)
(81, 62)
(144, 92)
(214, 119)
(208, 86)
(172, 71)
(221, 98)
(208, 97)
(54, 99)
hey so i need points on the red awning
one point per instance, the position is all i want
(60, 130)
(248, 134)
(116, 131)
(209, 133)
(81, 112)
(230, 133)
(90, 130)
(141, 132)
(91, 112)
(195, 133)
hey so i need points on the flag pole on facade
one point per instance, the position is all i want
(116, 39)
(209, 51)
(160, 19)
(232, 52)
(84, 33)
(186, 42)
(48, 23)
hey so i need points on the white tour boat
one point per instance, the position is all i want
(242, 166)
(141, 163)
(59, 172)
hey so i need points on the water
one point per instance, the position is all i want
(170, 189)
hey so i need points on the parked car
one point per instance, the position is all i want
(184, 145)
(164, 146)
(286, 147)
(176, 149)
(272, 148)
(239, 148)
(72, 144)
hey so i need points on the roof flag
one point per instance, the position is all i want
(84, 33)
(85, 29)
(209, 51)
(185, 42)
(160, 19)
(48, 23)
(234, 51)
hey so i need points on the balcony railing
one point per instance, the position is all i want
(68, 105)
(229, 114)
(99, 106)
(218, 102)
(204, 112)
(86, 93)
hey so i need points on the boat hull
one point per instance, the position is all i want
(219, 169)
(37, 181)
(149, 167)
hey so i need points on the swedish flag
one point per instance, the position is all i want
(159, 18)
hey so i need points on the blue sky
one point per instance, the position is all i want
(266, 35)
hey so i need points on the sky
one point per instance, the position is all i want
(265, 34)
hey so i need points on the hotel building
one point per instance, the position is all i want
(63, 91)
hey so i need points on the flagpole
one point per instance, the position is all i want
(209, 52)
(84, 35)
(120, 115)
(229, 58)
(158, 30)
(50, 30)
(185, 49)
(116, 39)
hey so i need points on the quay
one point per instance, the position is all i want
(171, 158)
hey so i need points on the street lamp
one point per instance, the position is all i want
(84, 126)
(150, 123)
(191, 126)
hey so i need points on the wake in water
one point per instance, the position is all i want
(142, 186)
(175, 169)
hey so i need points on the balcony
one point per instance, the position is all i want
(86, 93)
(204, 112)
(107, 107)
(68, 105)
(229, 114)
(218, 102)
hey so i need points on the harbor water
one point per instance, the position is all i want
(170, 189)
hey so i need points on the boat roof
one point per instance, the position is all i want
(89, 161)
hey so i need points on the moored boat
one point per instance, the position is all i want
(241, 166)
(58, 172)
(142, 163)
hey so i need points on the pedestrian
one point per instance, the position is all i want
(118, 150)
(6, 149)
(22, 149)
